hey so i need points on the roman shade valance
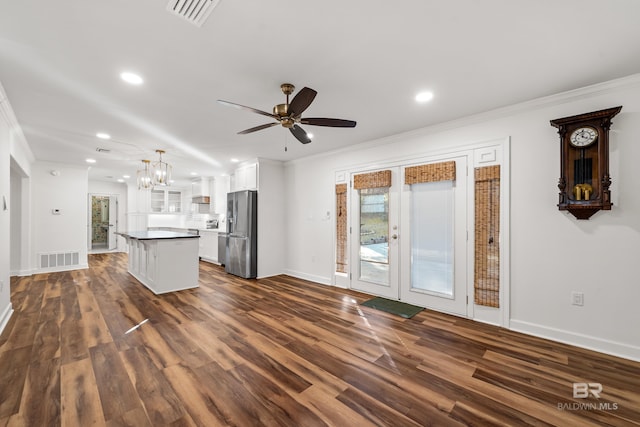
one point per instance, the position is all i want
(432, 172)
(372, 180)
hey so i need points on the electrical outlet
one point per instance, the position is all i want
(577, 298)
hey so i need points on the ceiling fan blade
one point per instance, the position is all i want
(301, 101)
(300, 134)
(321, 121)
(244, 107)
(257, 128)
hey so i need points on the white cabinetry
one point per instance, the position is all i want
(165, 201)
(208, 249)
(246, 178)
(164, 264)
(222, 185)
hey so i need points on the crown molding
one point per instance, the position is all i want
(498, 113)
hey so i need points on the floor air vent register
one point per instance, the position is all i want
(59, 259)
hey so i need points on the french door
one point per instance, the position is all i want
(374, 236)
(409, 242)
(434, 245)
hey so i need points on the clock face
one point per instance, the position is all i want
(584, 136)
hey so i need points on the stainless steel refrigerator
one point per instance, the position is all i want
(242, 240)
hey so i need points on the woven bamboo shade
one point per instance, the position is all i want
(341, 228)
(372, 180)
(487, 236)
(432, 172)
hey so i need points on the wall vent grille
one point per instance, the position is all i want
(194, 11)
(59, 259)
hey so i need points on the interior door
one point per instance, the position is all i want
(113, 223)
(374, 236)
(434, 244)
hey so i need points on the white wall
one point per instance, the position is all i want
(271, 212)
(112, 189)
(5, 292)
(68, 191)
(552, 253)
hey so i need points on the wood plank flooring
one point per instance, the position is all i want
(279, 352)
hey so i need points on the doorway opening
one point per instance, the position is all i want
(103, 223)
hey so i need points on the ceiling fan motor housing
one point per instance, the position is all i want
(280, 110)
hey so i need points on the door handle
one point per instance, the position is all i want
(394, 236)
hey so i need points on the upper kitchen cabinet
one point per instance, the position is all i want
(221, 186)
(158, 200)
(245, 178)
(165, 201)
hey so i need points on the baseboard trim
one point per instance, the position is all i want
(311, 277)
(6, 315)
(613, 348)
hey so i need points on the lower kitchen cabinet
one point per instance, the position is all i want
(208, 250)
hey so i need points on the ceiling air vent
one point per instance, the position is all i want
(194, 11)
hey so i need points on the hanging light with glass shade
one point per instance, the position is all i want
(161, 171)
(145, 180)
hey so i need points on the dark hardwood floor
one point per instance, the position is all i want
(95, 347)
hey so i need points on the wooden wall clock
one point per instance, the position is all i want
(584, 162)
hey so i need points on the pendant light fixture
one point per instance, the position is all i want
(161, 171)
(145, 180)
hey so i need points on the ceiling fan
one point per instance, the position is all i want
(289, 114)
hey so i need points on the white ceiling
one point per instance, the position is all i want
(60, 63)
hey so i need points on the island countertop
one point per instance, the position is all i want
(156, 235)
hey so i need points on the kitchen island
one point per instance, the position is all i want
(163, 261)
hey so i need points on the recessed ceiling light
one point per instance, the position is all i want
(90, 160)
(234, 160)
(131, 78)
(423, 97)
(120, 180)
(171, 181)
(103, 135)
(194, 173)
(126, 176)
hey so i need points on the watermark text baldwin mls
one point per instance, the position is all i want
(587, 391)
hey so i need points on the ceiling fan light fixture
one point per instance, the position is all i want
(289, 114)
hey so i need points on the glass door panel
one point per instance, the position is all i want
(374, 235)
(432, 238)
